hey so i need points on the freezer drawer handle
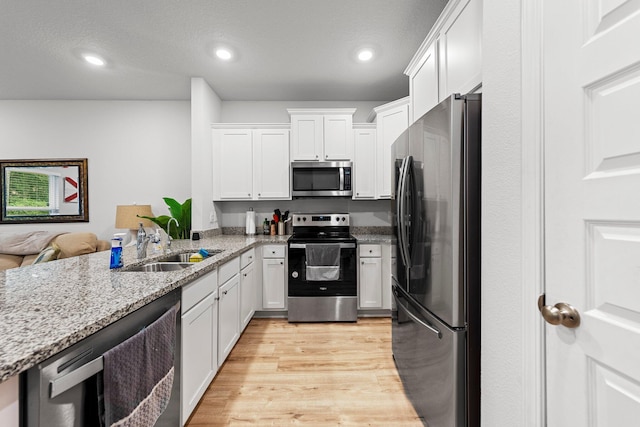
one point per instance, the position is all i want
(415, 318)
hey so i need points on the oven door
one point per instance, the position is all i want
(343, 283)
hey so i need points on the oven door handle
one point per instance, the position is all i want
(75, 377)
(304, 245)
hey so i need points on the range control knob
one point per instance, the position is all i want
(343, 219)
(304, 218)
(338, 219)
(294, 274)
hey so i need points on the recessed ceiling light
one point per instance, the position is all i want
(224, 54)
(94, 60)
(365, 55)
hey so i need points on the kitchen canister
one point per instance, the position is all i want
(280, 228)
(250, 225)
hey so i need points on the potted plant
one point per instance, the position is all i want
(182, 214)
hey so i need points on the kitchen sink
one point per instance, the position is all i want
(158, 267)
(183, 257)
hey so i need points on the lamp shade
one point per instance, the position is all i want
(127, 216)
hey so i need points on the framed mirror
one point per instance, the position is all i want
(39, 191)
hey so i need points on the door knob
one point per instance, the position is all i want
(559, 314)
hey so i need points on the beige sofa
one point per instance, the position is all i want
(20, 249)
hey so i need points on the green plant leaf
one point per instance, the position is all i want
(182, 214)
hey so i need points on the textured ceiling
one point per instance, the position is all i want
(287, 50)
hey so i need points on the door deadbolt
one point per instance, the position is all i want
(559, 314)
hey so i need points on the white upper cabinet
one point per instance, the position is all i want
(391, 120)
(449, 59)
(232, 164)
(460, 49)
(364, 149)
(321, 134)
(423, 85)
(251, 163)
(271, 163)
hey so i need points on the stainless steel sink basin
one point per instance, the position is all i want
(183, 257)
(159, 267)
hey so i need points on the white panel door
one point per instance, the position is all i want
(247, 295)
(273, 279)
(364, 149)
(338, 137)
(233, 163)
(592, 209)
(424, 85)
(460, 50)
(228, 317)
(371, 282)
(390, 125)
(306, 137)
(271, 161)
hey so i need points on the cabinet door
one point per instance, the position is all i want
(364, 143)
(460, 49)
(199, 352)
(247, 295)
(338, 137)
(371, 282)
(233, 164)
(271, 164)
(228, 317)
(306, 137)
(424, 85)
(390, 124)
(273, 280)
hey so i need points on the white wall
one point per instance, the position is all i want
(276, 111)
(137, 151)
(503, 367)
(205, 109)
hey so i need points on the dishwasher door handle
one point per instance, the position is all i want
(75, 377)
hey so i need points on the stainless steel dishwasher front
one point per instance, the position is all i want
(62, 391)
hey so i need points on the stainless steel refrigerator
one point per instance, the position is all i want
(436, 285)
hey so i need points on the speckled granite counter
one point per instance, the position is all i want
(48, 307)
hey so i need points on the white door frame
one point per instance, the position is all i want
(534, 387)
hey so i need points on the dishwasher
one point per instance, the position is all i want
(62, 391)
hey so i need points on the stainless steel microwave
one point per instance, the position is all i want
(321, 179)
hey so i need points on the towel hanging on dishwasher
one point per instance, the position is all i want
(138, 374)
(323, 261)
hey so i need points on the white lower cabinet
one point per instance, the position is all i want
(248, 289)
(199, 331)
(10, 402)
(370, 276)
(228, 317)
(274, 293)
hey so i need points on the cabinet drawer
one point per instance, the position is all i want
(247, 258)
(198, 290)
(368, 251)
(273, 251)
(228, 270)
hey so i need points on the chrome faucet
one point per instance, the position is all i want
(167, 247)
(142, 241)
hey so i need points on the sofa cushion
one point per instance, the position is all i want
(48, 254)
(10, 261)
(74, 244)
(26, 243)
(28, 259)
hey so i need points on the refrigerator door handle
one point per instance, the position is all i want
(416, 319)
(400, 210)
(402, 202)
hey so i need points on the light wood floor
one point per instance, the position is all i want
(314, 374)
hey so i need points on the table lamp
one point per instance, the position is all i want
(127, 217)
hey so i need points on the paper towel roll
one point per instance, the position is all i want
(250, 227)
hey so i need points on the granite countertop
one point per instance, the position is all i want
(48, 307)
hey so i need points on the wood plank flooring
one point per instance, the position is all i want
(314, 374)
